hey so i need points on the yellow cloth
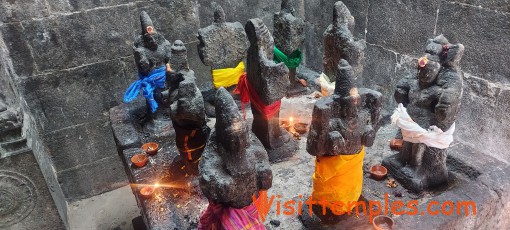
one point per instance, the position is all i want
(338, 178)
(227, 77)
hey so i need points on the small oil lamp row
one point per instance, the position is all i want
(140, 160)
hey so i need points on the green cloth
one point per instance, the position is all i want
(292, 61)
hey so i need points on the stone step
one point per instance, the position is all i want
(12, 153)
(11, 134)
(14, 145)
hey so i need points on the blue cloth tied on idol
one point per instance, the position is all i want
(155, 79)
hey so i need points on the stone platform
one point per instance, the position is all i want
(474, 176)
(25, 201)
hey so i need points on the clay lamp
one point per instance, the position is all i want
(150, 148)
(285, 125)
(139, 160)
(301, 128)
(378, 172)
(383, 222)
(396, 144)
(149, 190)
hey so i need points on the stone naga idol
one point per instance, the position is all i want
(151, 52)
(223, 47)
(187, 109)
(432, 100)
(264, 86)
(289, 36)
(339, 43)
(342, 125)
(234, 167)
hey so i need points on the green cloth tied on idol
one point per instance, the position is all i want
(292, 61)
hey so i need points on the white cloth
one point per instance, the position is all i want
(327, 88)
(412, 132)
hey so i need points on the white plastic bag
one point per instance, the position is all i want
(412, 132)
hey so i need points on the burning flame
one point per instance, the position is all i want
(156, 185)
(291, 119)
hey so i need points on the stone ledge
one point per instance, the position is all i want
(474, 177)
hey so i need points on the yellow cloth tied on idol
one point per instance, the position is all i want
(339, 179)
(227, 77)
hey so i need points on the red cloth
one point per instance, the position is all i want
(220, 217)
(248, 94)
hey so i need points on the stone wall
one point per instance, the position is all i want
(72, 60)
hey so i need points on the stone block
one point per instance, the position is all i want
(15, 11)
(402, 26)
(202, 72)
(240, 11)
(318, 16)
(24, 197)
(71, 40)
(80, 5)
(92, 179)
(72, 97)
(498, 5)
(483, 32)
(124, 127)
(482, 116)
(80, 144)
(175, 19)
(20, 51)
(379, 75)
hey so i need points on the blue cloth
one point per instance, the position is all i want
(155, 79)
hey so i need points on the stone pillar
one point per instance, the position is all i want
(187, 109)
(222, 45)
(339, 43)
(289, 36)
(269, 81)
(234, 165)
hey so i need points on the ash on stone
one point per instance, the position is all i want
(339, 43)
(222, 45)
(269, 81)
(432, 98)
(187, 109)
(289, 37)
(234, 165)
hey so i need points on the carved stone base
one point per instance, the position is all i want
(285, 151)
(331, 221)
(297, 90)
(408, 176)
